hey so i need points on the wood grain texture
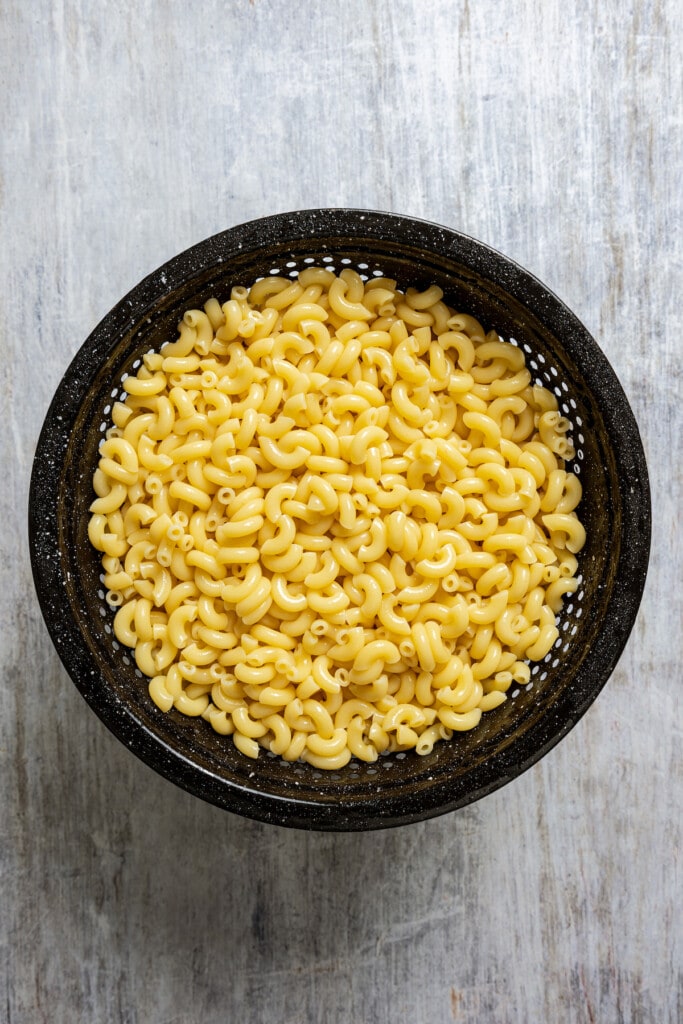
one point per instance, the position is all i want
(551, 131)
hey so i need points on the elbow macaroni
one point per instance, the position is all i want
(335, 519)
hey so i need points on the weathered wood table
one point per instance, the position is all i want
(551, 131)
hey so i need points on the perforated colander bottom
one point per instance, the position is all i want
(545, 374)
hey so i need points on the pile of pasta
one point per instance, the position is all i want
(335, 518)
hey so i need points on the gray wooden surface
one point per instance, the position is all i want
(550, 130)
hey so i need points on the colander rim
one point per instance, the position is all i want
(357, 226)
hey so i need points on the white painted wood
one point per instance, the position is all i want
(549, 130)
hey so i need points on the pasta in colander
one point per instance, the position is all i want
(335, 518)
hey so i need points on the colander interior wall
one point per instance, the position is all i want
(594, 623)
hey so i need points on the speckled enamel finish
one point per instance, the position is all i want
(400, 788)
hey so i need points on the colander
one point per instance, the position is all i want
(594, 624)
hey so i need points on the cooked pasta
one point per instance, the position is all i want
(335, 518)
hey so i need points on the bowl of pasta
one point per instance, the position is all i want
(340, 520)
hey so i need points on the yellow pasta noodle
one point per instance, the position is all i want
(336, 519)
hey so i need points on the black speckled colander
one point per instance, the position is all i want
(594, 624)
